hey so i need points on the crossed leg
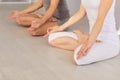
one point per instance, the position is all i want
(67, 40)
(67, 43)
(100, 50)
(26, 19)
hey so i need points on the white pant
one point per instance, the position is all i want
(99, 51)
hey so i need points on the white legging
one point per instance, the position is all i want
(99, 51)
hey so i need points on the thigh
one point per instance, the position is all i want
(99, 51)
(62, 34)
(26, 19)
(30, 15)
(67, 43)
(64, 40)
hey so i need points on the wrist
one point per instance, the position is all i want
(92, 40)
(20, 12)
(42, 21)
(61, 28)
(23, 12)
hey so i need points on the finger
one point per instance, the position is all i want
(79, 55)
(34, 26)
(46, 35)
(39, 15)
(86, 52)
(78, 35)
(30, 29)
(48, 30)
(83, 48)
(53, 19)
(51, 30)
(9, 17)
(74, 31)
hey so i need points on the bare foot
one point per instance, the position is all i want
(83, 36)
(13, 15)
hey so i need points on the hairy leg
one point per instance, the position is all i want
(26, 19)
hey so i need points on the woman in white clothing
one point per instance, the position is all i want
(102, 41)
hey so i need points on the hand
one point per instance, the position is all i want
(35, 25)
(85, 48)
(39, 15)
(14, 15)
(78, 33)
(52, 30)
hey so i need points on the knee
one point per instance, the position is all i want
(51, 40)
(52, 43)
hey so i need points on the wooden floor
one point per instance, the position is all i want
(23, 57)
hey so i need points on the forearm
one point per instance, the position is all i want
(50, 12)
(103, 10)
(96, 30)
(75, 18)
(33, 7)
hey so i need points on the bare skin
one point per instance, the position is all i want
(69, 43)
(102, 12)
(35, 21)
(27, 19)
(43, 28)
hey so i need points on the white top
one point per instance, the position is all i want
(108, 32)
